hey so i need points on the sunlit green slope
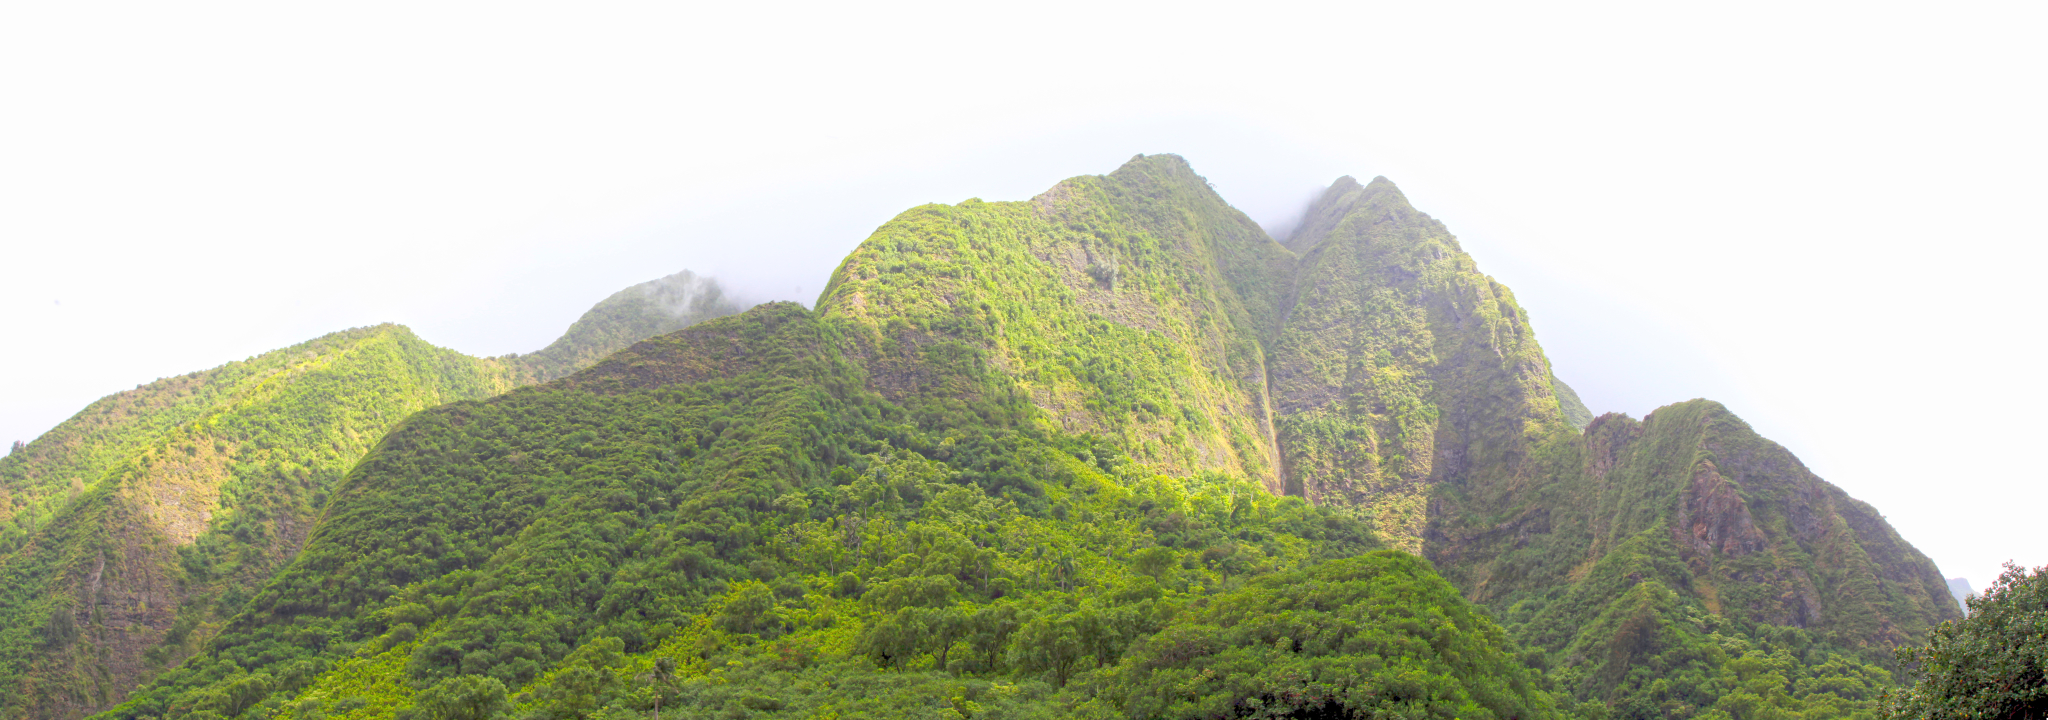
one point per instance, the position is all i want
(1054, 458)
(1129, 306)
(729, 519)
(943, 494)
(149, 545)
(135, 528)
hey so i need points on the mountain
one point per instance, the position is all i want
(1638, 561)
(1109, 452)
(1960, 588)
(134, 529)
(1016, 464)
(655, 307)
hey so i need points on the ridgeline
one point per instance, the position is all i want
(1111, 452)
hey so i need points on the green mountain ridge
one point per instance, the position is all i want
(1109, 452)
(134, 529)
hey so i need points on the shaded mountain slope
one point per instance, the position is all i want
(1740, 540)
(1574, 410)
(134, 529)
(1410, 385)
(1400, 367)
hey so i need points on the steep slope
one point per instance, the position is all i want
(1400, 367)
(134, 529)
(1411, 386)
(1960, 588)
(1575, 411)
(1129, 306)
(1033, 458)
(169, 531)
(1718, 543)
(729, 518)
(943, 493)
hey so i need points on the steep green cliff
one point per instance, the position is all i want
(158, 539)
(1647, 559)
(731, 520)
(1129, 306)
(1055, 458)
(1017, 464)
(135, 529)
(1399, 366)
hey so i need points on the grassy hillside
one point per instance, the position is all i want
(132, 531)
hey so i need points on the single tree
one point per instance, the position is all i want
(1989, 665)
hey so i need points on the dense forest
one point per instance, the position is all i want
(130, 533)
(1111, 452)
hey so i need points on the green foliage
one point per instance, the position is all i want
(1569, 404)
(728, 519)
(163, 509)
(1029, 460)
(1374, 636)
(1129, 307)
(177, 523)
(656, 307)
(464, 697)
(1991, 664)
(1399, 367)
(1655, 556)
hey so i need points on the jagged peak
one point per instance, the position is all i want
(1380, 183)
(1342, 198)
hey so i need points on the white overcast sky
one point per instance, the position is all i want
(1827, 216)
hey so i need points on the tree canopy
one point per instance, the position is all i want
(1989, 665)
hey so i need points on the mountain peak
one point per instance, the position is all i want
(1379, 200)
(656, 307)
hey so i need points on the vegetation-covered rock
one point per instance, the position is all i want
(655, 307)
(730, 519)
(1636, 557)
(130, 533)
(1109, 452)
